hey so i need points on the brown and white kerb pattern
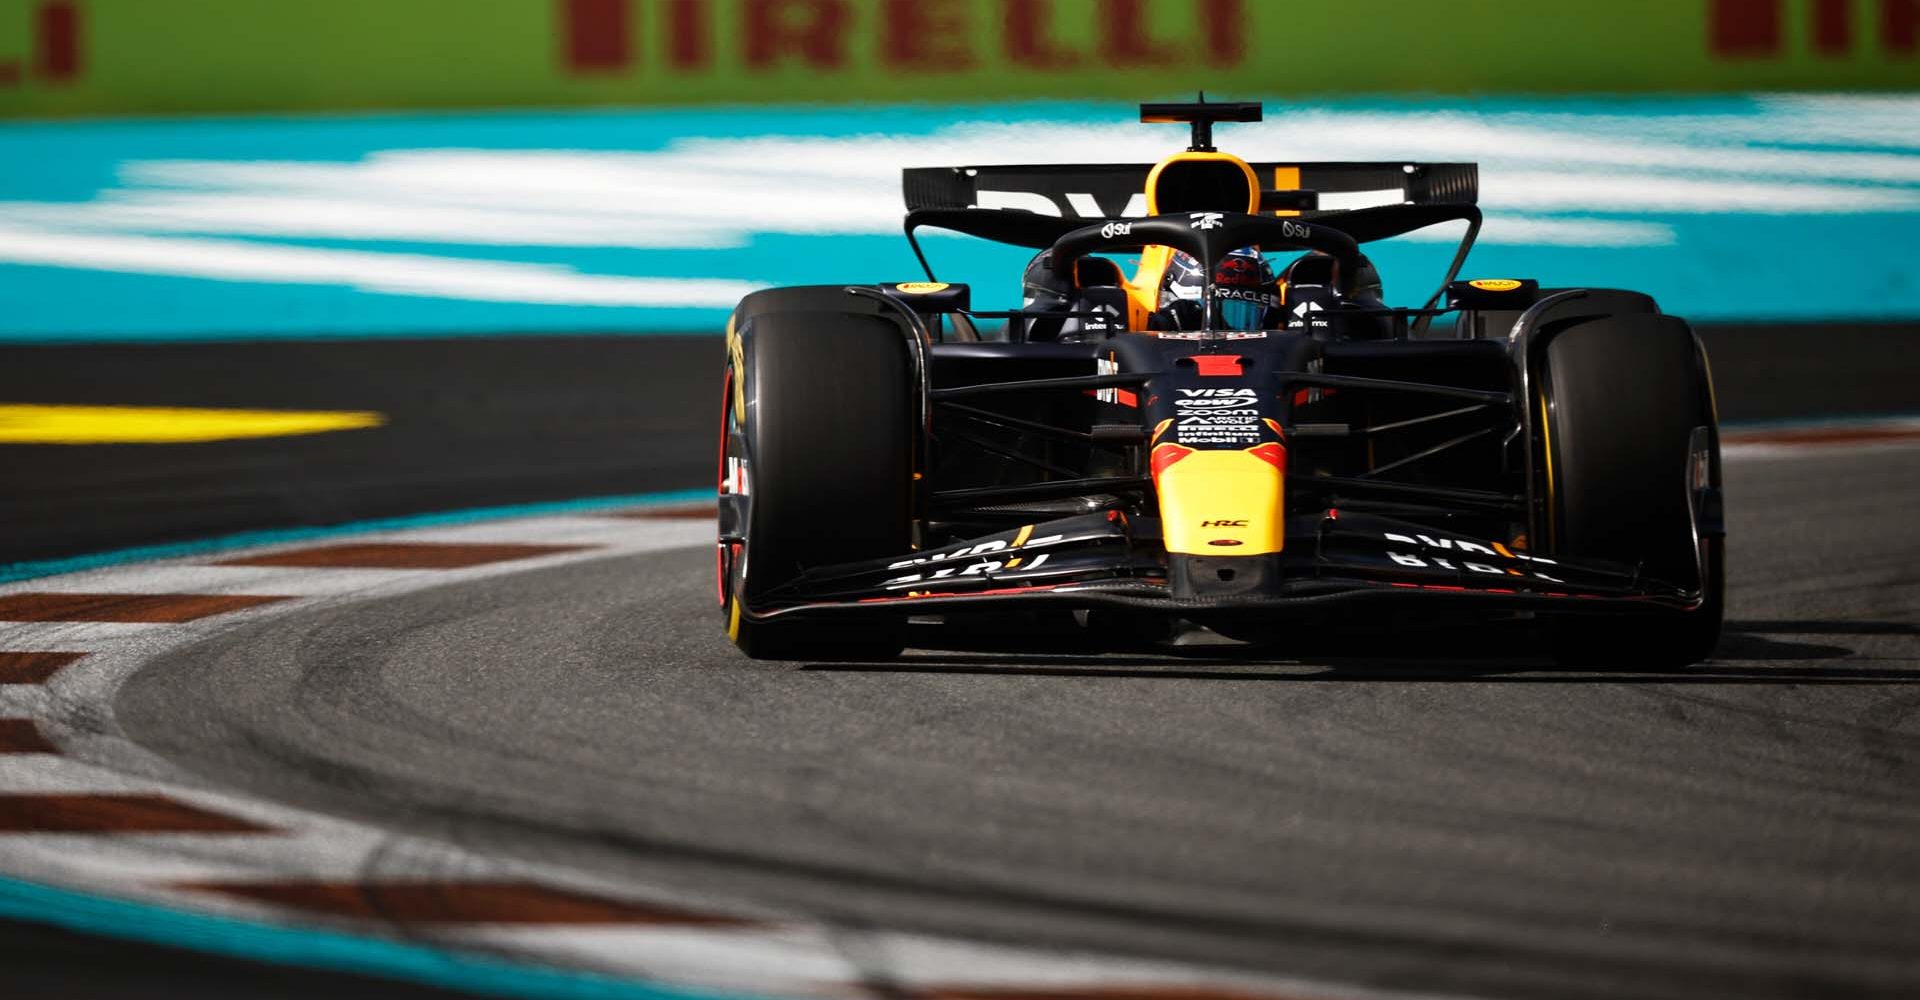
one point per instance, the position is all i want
(85, 808)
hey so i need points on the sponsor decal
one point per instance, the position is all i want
(74, 57)
(921, 287)
(1207, 220)
(1495, 284)
(1296, 230)
(1112, 229)
(980, 568)
(1067, 204)
(1462, 548)
(1308, 314)
(1224, 524)
(1267, 299)
(1217, 417)
(985, 555)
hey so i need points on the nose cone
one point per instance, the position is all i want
(1228, 502)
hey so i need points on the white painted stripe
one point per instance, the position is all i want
(69, 637)
(367, 271)
(780, 959)
(321, 852)
(45, 774)
(922, 961)
(22, 701)
(614, 532)
(814, 959)
(195, 578)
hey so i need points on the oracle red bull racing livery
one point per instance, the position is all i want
(1240, 435)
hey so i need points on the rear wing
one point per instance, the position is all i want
(1095, 191)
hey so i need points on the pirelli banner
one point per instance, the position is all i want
(67, 57)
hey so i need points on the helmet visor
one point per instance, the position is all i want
(1240, 314)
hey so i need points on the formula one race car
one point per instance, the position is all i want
(1215, 442)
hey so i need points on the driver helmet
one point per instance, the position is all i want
(1244, 294)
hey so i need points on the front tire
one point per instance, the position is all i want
(1630, 427)
(818, 443)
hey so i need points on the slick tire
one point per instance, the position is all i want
(1624, 397)
(827, 448)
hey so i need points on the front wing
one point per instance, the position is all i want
(1108, 560)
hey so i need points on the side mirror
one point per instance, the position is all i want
(1492, 293)
(931, 298)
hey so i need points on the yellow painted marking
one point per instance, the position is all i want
(1497, 547)
(733, 620)
(1013, 563)
(36, 424)
(1026, 532)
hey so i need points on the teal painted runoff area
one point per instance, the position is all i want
(320, 949)
(15, 572)
(1787, 207)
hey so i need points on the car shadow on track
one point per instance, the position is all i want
(1749, 653)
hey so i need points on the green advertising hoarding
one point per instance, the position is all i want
(70, 57)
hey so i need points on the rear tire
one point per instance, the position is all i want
(1625, 396)
(826, 449)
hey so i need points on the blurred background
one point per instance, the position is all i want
(324, 188)
(271, 266)
(229, 168)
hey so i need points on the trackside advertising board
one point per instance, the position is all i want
(88, 57)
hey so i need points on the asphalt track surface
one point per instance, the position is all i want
(1477, 824)
(1463, 823)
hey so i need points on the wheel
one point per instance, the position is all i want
(1630, 429)
(816, 457)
